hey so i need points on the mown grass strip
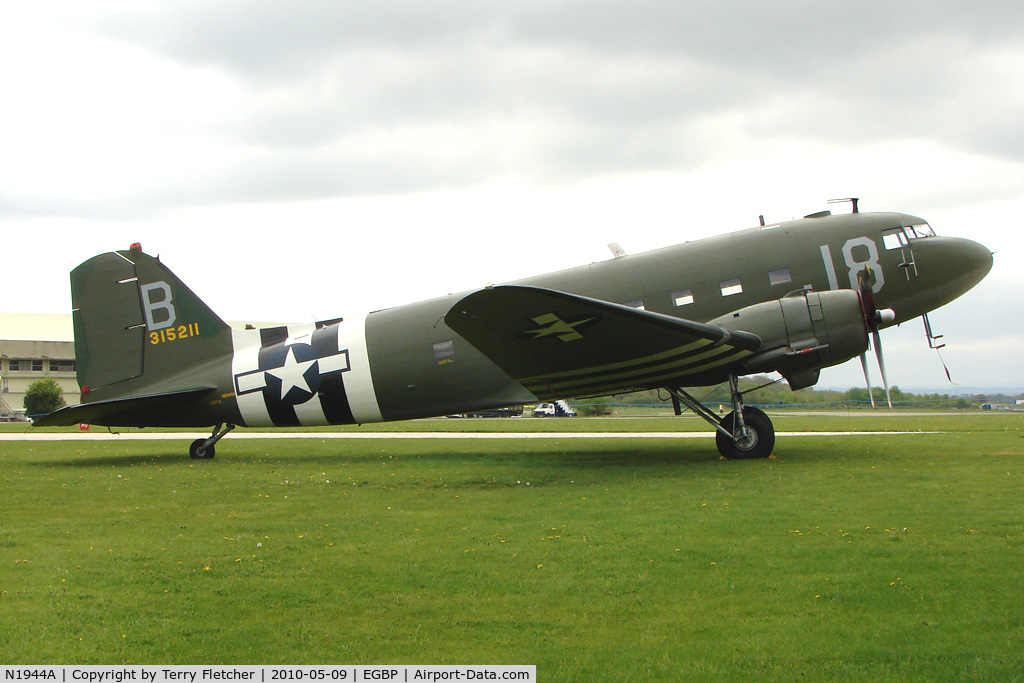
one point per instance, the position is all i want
(860, 558)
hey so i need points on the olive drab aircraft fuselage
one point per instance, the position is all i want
(790, 298)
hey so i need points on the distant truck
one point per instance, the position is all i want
(556, 409)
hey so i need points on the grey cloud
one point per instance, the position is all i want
(575, 89)
(261, 37)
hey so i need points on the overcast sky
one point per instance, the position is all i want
(305, 160)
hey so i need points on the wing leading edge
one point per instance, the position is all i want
(563, 345)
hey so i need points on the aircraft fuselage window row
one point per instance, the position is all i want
(684, 297)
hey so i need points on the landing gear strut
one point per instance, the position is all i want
(203, 449)
(745, 433)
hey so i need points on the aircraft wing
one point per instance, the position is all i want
(133, 411)
(562, 345)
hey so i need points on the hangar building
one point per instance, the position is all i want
(33, 346)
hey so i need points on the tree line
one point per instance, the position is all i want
(763, 391)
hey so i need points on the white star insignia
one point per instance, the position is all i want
(292, 373)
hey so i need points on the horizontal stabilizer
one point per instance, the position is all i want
(134, 411)
(562, 345)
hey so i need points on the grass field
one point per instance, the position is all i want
(844, 558)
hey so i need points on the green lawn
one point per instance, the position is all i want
(664, 421)
(844, 558)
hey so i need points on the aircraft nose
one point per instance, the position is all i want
(956, 264)
(974, 262)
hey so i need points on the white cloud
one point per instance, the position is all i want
(419, 149)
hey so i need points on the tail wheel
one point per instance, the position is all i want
(197, 452)
(756, 441)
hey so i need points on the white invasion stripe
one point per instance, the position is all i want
(311, 412)
(246, 357)
(362, 398)
(185, 436)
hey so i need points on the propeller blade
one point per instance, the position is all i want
(933, 340)
(873, 319)
(867, 377)
(866, 277)
(945, 368)
(881, 364)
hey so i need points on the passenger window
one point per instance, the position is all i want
(684, 297)
(779, 277)
(730, 287)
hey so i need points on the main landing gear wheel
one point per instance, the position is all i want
(197, 452)
(756, 441)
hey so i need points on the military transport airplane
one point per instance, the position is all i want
(790, 298)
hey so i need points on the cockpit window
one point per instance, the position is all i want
(894, 239)
(900, 237)
(922, 230)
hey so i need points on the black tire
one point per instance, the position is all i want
(759, 439)
(197, 452)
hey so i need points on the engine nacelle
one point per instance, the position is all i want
(802, 333)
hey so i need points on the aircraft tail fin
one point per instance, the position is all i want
(139, 330)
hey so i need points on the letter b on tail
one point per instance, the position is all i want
(157, 304)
